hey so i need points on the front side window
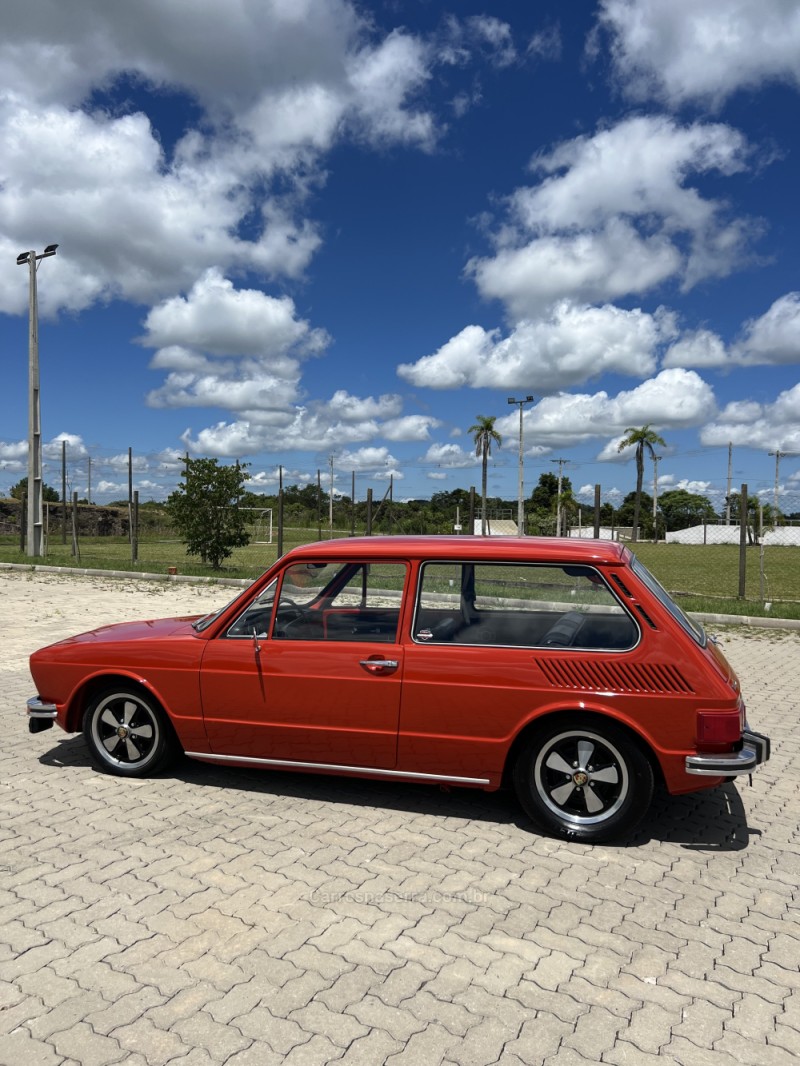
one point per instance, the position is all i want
(340, 601)
(255, 620)
(522, 604)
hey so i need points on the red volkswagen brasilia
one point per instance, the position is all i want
(558, 666)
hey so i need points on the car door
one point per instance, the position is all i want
(314, 677)
(486, 639)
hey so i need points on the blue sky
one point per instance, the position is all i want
(296, 229)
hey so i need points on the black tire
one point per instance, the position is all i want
(583, 779)
(127, 733)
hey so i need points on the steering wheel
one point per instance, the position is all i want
(288, 613)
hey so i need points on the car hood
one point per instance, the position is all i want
(123, 632)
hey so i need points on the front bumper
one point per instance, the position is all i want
(41, 715)
(755, 750)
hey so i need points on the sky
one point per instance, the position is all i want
(321, 235)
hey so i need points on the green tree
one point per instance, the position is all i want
(20, 491)
(544, 502)
(682, 509)
(643, 439)
(627, 510)
(205, 512)
(484, 434)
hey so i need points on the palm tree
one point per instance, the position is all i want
(643, 438)
(484, 434)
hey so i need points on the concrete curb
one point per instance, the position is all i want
(37, 568)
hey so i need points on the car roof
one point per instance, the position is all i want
(504, 549)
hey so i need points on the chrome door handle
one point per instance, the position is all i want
(379, 666)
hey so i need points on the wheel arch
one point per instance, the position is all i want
(567, 716)
(93, 686)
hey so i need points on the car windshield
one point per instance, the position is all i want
(203, 623)
(693, 628)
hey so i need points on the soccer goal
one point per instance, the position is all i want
(259, 524)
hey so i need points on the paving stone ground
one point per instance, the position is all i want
(246, 918)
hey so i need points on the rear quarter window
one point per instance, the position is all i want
(520, 605)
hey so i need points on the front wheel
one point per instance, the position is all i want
(583, 780)
(127, 733)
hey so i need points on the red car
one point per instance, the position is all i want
(558, 666)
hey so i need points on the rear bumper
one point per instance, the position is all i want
(41, 715)
(755, 750)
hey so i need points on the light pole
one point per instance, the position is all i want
(778, 456)
(656, 460)
(35, 519)
(561, 463)
(520, 496)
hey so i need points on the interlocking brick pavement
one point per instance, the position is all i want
(246, 918)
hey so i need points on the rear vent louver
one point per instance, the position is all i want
(613, 677)
(627, 592)
(621, 585)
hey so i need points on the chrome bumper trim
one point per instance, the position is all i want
(755, 751)
(37, 708)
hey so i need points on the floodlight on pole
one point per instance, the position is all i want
(520, 493)
(35, 509)
(778, 456)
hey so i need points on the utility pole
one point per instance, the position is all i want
(35, 515)
(330, 500)
(656, 461)
(89, 482)
(730, 474)
(63, 491)
(561, 464)
(520, 495)
(778, 456)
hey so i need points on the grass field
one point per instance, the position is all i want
(703, 578)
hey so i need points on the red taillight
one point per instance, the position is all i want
(718, 727)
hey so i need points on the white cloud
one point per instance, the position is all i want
(357, 409)
(249, 388)
(261, 335)
(684, 50)
(669, 483)
(129, 223)
(774, 338)
(170, 459)
(451, 456)
(699, 348)
(615, 214)
(273, 85)
(673, 399)
(14, 451)
(269, 480)
(383, 80)
(390, 474)
(222, 320)
(409, 428)
(588, 267)
(366, 459)
(764, 427)
(320, 426)
(570, 346)
(225, 439)
(139, 463)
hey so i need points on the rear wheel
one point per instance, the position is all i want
(583, 780)
(127, 733)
